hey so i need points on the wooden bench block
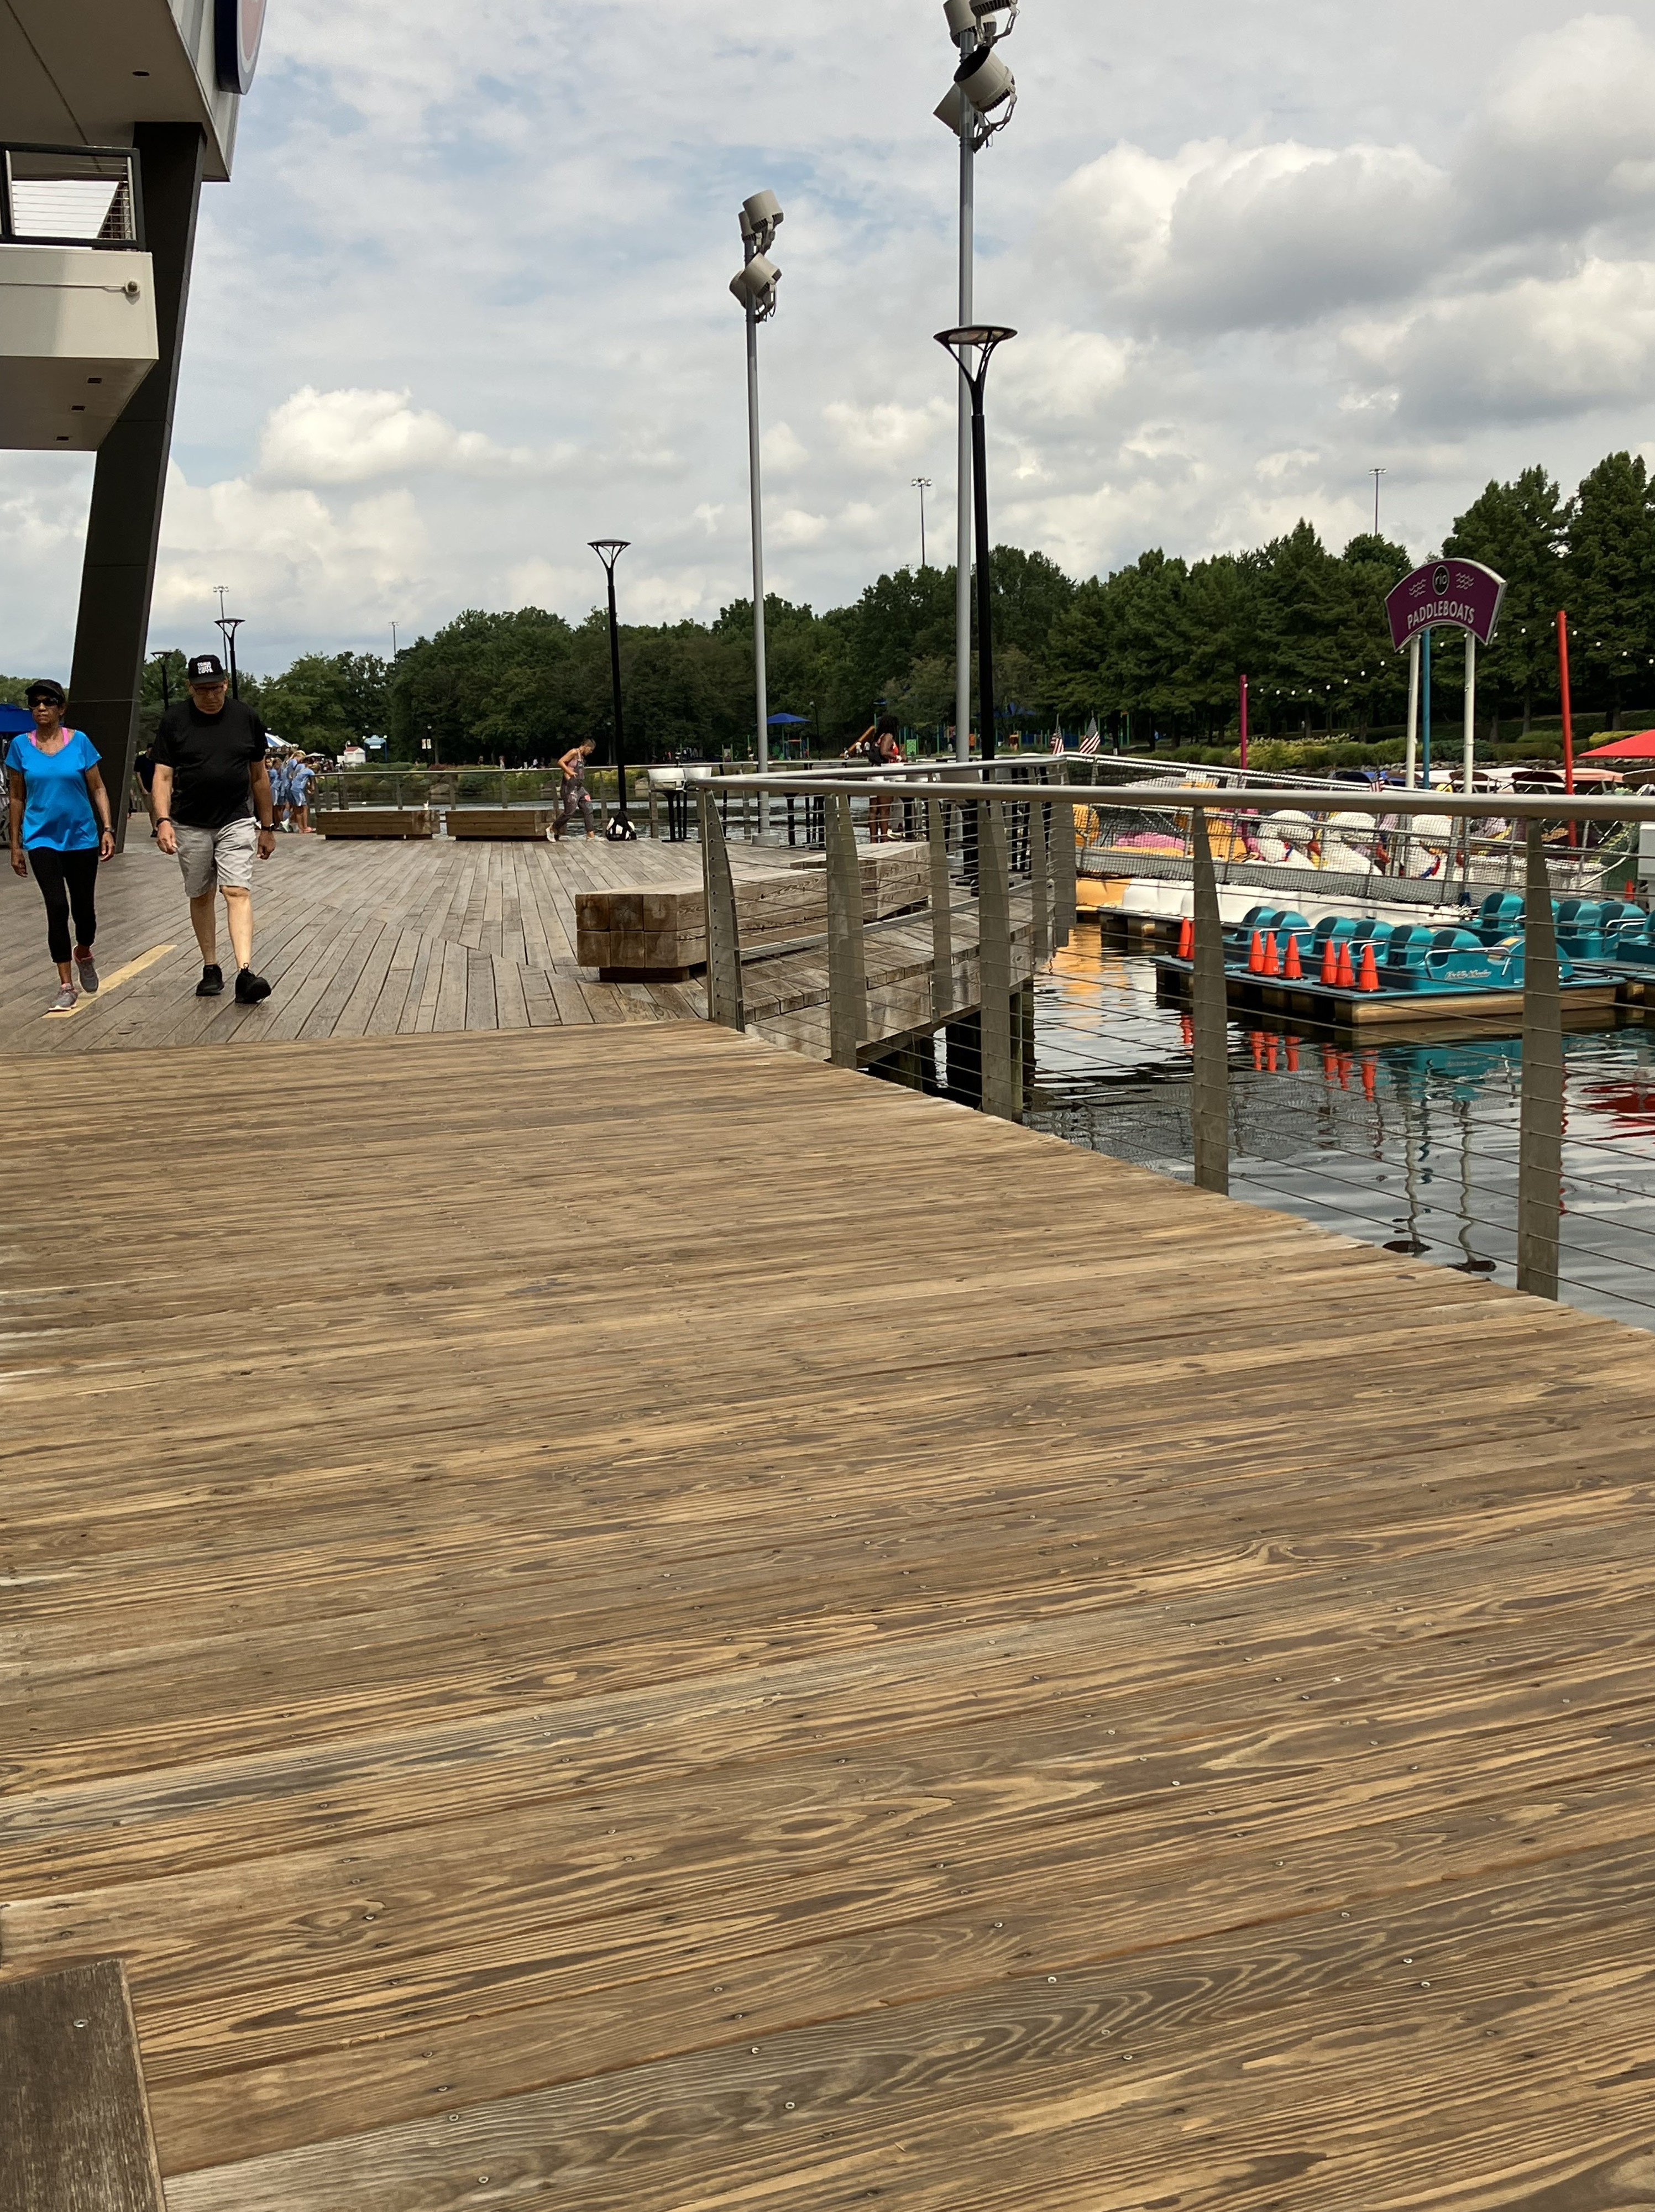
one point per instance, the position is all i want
(74, 2118)
(497, 822)
(376, 822)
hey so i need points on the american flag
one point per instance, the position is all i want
(1057, 741)
(1091, 741)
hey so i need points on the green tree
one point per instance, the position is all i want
(1610, 580)
(1517, 529)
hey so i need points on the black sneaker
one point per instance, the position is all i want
(250, 988)
(211, 983)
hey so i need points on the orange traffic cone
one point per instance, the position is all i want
(1329, 962)
(1292, 1055)
(1292, 968)
(1272, 955)
(1370, 969)
(1370, 1080)
(1256, 954)
(1346, 977)
(1186, 939)
(1271, 1052)
(1256, 1038)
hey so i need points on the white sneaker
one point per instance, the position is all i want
(64, 1001)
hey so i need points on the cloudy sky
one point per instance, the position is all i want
(463, 305)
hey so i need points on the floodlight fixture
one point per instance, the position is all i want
(760, 217)
(754, 286)
(987, 83)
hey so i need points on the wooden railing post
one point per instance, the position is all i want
(942, 919)
(724, 1004)
(1002, 1064)
(847, 971)
(1210, 1093)
(1039, 881)
(1540, 1142)
(654, 811)
(1062, 870)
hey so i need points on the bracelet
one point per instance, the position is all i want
(161, 819)
(267, 829)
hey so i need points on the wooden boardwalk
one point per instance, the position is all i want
(383, 939)
(606, 1617)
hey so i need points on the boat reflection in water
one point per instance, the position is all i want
(1410, 1145)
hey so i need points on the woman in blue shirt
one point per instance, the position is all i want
(60, 818)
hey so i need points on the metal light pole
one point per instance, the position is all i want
(754, 289)
(981, 84)
(922, 485)
(230, 624)
(609, 551)
(1376, 474)
(973, 348)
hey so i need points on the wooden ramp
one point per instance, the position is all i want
(621, 1621)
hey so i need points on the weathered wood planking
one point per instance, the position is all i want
(74, 2131)
(654, 1549)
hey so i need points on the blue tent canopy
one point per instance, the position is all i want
(798, 719)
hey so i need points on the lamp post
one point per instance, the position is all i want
(982, 86)
(922, 485)
(754, 291)
(973, 347)
(609, 551)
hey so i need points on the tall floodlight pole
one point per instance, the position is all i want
(983, 85)
(922, 485)
(1376, 474)
(754, 291)
(609, 551)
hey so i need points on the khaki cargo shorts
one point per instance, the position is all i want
(217, 860)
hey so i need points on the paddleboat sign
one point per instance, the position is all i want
(1448, 595)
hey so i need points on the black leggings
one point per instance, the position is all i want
(63, 877)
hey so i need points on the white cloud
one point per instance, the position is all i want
(351, 437)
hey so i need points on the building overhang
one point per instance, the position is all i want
(92, 69)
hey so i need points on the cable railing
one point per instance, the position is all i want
(1383, 1070)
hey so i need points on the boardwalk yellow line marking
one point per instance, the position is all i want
(113, 982)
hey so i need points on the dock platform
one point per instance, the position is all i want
(606, 1617)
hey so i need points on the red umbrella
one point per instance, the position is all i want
(1640, 747)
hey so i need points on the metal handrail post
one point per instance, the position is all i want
(1540, 1142)
(847, 968)
(1210, 1009)
(942, 919)
(1001, 1063)
(724, 1003)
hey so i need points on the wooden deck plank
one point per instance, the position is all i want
(74, 2127)
(969, 1635)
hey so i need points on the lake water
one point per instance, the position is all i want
(1410, 1145)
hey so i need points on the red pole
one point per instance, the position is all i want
(1568, 711)
(1243, 725)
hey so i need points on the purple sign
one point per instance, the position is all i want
(1449, 594)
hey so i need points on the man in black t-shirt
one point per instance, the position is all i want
(212, 803)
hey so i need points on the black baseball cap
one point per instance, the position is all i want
(46, 687)
(205, 668)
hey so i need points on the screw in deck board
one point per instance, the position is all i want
(724, 1002)
(1540, 1143)
(942, 932)
(1210, 1008)
(1002, 1067)
(847, 971)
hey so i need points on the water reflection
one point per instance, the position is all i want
(1409, 1145)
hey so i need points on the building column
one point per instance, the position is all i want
(117, 577)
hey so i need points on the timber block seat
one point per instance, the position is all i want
(660, 935)
(375, 822)
(494, 823)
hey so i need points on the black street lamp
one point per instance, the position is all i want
(973, 348)
(166, 681)
(230, 624)
(609, 551)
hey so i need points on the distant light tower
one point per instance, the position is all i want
(609, 551)
(394, 641)
(754, 292)
(227, 626)
(977, 104)
(1376, 474)
(922, 485)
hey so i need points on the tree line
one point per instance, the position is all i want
(1154, 651)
